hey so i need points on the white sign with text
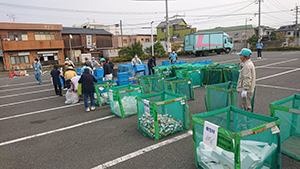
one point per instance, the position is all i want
(210, 134)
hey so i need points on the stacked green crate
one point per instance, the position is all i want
(178, 85)
(232, 138)
(101, 98)
(166, 71)
(150, 83)
(192, 73)
(288, 111)
(162, 114)
(122, 99)
(222, 95)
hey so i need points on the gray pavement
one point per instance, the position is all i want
(40, 131)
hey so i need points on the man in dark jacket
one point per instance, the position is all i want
(55, 80)
(151, 64)
(88, 89)
(108, 70)
(88, 63)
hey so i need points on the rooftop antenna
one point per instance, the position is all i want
(11, 16)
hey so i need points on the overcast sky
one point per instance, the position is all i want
(135, 14)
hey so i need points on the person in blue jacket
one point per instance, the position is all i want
(259, 46)
(55, 73)
(88, 89)
(37, 71)
(173, 57)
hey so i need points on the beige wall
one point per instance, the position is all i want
(129, 39)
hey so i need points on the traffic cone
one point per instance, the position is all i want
(15, 74)
(10, 75)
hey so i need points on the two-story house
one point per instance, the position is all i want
(21, 43)
(128, 40)
(85, 40)
(178, 28)
(289, 30)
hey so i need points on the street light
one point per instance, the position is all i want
(70, 44)
(250, 19)
(151, 36)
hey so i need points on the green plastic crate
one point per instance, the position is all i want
(222, 95)
(192, 73)
(122, 99)
(101, 98)
(162, 114)
(214, 73)
(178, 85)
(239, 140)
(150, 83)
(288, 111)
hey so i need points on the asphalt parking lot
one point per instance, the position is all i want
(38, 130)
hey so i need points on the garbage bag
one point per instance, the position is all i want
(71, 97)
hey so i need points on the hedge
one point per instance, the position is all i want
(285, 48)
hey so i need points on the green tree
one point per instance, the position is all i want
(273, 36)
(158, 49)
(129, 51)
(252, 40)
(176, 46)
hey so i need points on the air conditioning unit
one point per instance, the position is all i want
(6, 39)
(29, 66)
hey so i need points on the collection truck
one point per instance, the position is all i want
(202, 43)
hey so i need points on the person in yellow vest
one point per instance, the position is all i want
(69, 74)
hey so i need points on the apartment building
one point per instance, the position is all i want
(21, 43)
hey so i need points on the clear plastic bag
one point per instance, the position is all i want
(71, 97)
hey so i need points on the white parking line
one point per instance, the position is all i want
(26, 101)
(22, 84)
(143, 151)
(278, 87)
(278, 74)
(35, 86)
(57, 130)
(272, 67)
(277, 63)
(20, 94)
(40, 111)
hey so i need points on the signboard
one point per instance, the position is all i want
(89, 41)
(225, 142)
(45, 58)
(146, 106)
(210, 134)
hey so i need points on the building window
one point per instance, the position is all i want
(142, 39)
(17, 36)
(288, 33)
(15, 60)
(44, 35)
(163, 30)
(125, 41)
(147, 40)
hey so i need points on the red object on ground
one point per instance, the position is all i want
(15, 74)
(10, 75)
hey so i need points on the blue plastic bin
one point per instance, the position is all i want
(99, 72)
(165, 62)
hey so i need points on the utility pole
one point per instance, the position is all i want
(168, 31)
(70, 44)
(296, 15)
(259, 6)
(152, 39)
(121, 32)
(246, 28)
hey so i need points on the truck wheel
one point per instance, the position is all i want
(198, 53)
(227, 50)
(205, 53)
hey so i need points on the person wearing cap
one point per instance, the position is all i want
(136, 61)
(259, 47)
(151, 65)
(69, 74)
(70, 63)
(246, 82)
(173, 57)
(94, 63)
(88, 89)
(108, 70)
